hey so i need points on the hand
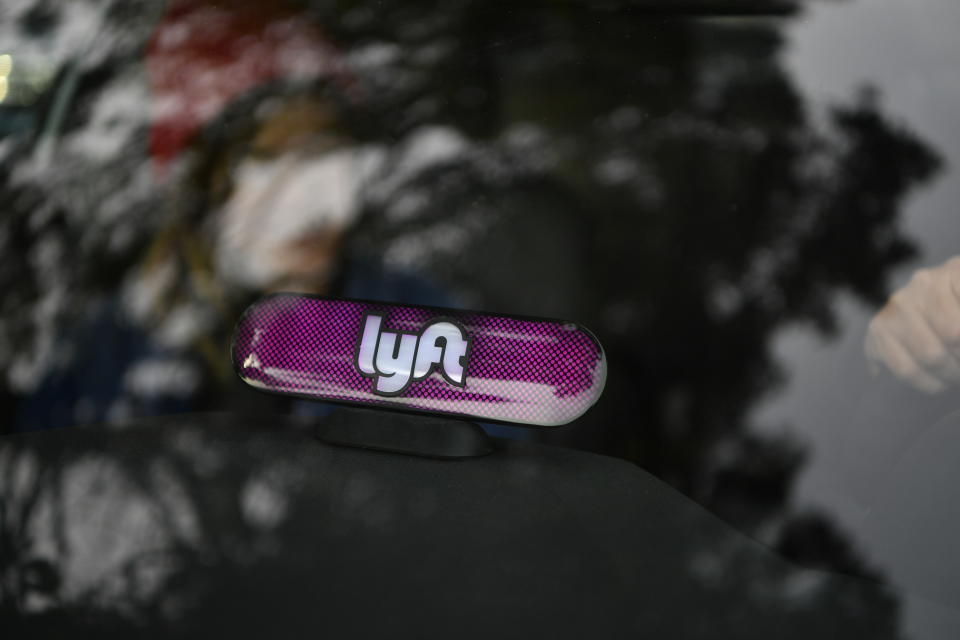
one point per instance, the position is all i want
(917, 334)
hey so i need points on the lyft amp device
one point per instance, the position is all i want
(462, 364)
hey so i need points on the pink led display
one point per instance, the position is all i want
(456, 363)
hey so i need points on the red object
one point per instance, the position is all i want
(203, 56)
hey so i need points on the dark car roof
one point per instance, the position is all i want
(531, 540)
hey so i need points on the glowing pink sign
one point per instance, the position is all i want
(458, 363)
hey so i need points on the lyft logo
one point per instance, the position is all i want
(395, 359)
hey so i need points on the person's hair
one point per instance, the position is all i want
(292, 112)
(265, 121)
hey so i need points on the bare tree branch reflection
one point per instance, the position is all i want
(657, 177)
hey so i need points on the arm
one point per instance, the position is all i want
(917, 333)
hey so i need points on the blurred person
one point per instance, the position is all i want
(255, 137)
(912, 346)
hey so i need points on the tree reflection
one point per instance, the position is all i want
(658, 179)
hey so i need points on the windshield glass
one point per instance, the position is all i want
(750, 203)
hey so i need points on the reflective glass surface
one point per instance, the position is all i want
(751, 203)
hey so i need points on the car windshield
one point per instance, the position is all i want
(751, 204)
